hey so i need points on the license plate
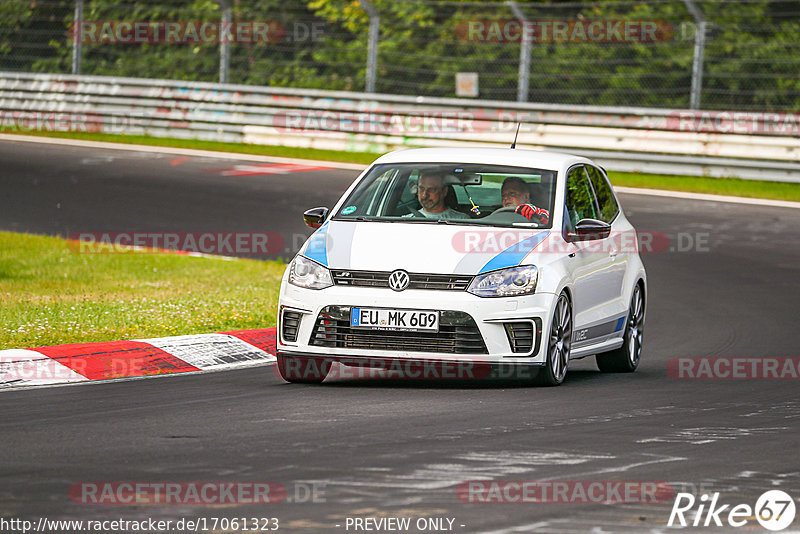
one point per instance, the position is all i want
(388, 319)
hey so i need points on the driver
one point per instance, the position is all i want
(515, 192)
(431, 191)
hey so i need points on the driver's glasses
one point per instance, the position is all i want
(512, 194)
(422, 190)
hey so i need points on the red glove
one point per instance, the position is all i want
(531, 212)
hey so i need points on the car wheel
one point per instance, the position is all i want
(300, 370)
(559, 345)
(626, 358)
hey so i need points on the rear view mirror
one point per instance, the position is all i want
(468, 178)
(589, 229)
(315, 217)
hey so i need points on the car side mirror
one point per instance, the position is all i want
(589, 230)
(315, 217)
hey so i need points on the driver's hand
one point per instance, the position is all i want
(531, 212)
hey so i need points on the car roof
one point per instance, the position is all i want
(539, 159)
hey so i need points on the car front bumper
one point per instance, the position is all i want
(305, 310)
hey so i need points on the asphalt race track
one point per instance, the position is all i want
(67, 190)
(400, 448)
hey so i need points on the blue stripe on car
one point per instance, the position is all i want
(316, 248)
(513, 254)
(620, 324)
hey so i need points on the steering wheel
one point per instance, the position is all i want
(510, 209)
(506, 209)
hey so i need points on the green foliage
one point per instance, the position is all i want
(751, 59)
(13, 13)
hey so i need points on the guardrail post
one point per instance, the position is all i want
(372, 48)
(77, 37)
(524, 53)
(224, 44)
(699, 52)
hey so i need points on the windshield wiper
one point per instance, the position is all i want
(456, 222)
(365, 218)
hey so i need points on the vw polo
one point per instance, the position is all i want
(452, 255)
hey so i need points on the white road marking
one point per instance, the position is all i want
(212, 351)
(702, 436)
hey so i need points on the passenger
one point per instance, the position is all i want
(515, 192)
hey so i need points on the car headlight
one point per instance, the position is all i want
(505, 282)
(309, 274)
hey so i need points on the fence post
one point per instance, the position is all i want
(524, 53)
(224, 43)
(699, 52)
(77, 37)
(372, 49)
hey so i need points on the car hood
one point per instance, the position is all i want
(420, 247)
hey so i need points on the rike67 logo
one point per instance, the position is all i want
(774, 510)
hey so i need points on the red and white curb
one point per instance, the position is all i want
(114, 360)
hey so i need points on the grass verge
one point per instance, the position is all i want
(694, 184)
(52, 295)
(713, 186)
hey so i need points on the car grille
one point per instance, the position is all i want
(290, 322)
(444, 282)
(458, 334)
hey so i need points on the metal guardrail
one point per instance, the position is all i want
(745, 145)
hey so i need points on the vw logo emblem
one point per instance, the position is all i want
(399, 280)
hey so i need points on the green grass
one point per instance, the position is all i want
(713, 186)
(695, 184)
(52, 294)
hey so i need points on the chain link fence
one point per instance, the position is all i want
(711, 54)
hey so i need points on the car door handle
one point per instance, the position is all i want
(613, 253)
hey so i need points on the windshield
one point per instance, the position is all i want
(495, 195)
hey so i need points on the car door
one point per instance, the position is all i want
(591, 264)
(621, 238)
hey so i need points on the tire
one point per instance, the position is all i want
(299, 370)
(626, 358)
(559, 345)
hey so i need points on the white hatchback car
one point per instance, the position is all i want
(491, 257)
